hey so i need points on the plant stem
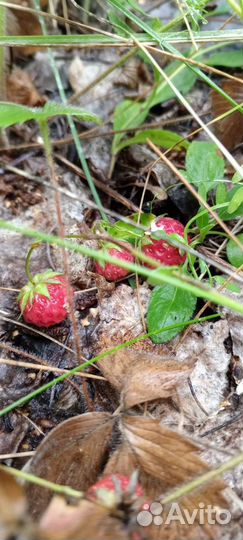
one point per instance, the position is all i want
(162, 275)
(203, 479)
(236, 7)
(27, 262)
(57, 488)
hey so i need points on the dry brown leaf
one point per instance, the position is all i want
(116, 367)
(23, 23)
(151, 378)
(12, 505)
(230, 129)
(170, 460)
(84, 521)
(20, 89)
(73, 454)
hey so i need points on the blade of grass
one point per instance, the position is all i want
(162, 275)
(56, 488)
(99, 40)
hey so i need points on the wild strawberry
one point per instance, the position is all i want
(159, 249)
(110, 271)
(112, 488)
(43, 301)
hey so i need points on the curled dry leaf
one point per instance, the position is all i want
(20, 89)
(23, 23)
(72, 454)
(152, 378)
(230, 129)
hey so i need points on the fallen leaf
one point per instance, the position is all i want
(171, 460)
(12, 505)
(84, 521)
(72, 454)
(230, 129)
(151, 378)
(20, 89)
(23, 23)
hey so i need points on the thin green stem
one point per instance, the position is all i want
(27, 477)
(203, 479)
(27, 262)
(161, 274)
(236, 7)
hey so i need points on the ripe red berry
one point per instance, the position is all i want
(159, 249)
(114, 483)
(43, 301)
(112, 272)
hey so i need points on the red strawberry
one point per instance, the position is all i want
(43, 301)
(160, 250)
(113, 485)
(110, 271)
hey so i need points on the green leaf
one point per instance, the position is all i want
(144, 219)
(232, 59)
(160, 137)
(120, 26)
(204, 166)
(236, 201)
(237, 177)
(221, 193)
(182, 77)
(223, 212)
(12, 113)
(169, 305)
(220, 280)
(234, 253)
(128, 115)
(124, 232)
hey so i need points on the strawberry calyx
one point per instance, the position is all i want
(37, 284)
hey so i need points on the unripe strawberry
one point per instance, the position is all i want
(43, 301)
(112, 488)
(113, 272)
(159, 249)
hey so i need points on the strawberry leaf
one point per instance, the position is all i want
(169, 305)
(234, 253)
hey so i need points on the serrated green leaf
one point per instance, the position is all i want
(204, 166)
(165, 139)
(236, 201)
(169, 305)
(12, 113)
(234, 253)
